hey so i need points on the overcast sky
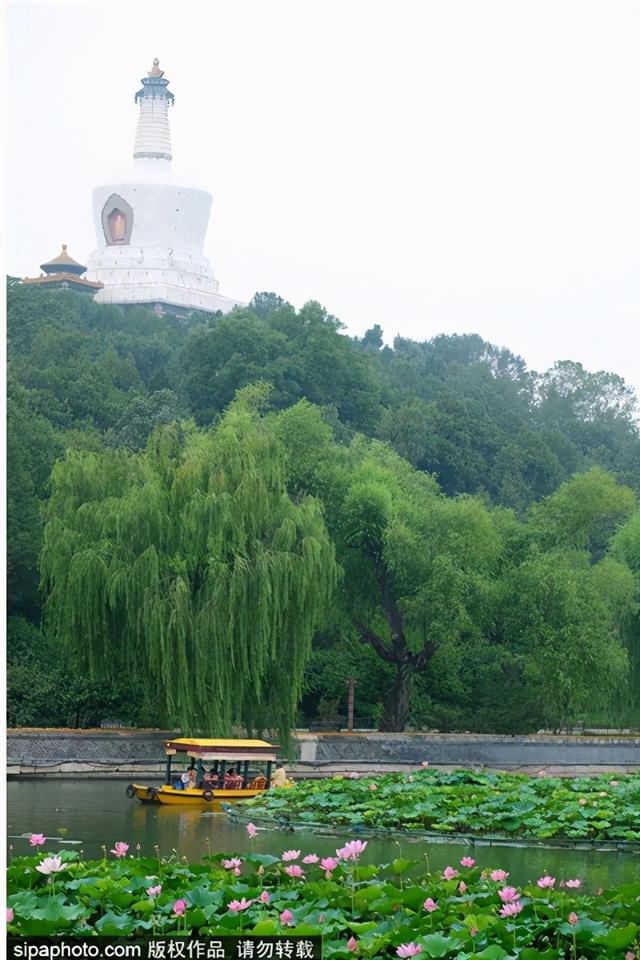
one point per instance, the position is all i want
(432, 166)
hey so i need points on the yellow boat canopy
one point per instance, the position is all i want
(222, 749)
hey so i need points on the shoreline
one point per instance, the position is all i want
(122, 753)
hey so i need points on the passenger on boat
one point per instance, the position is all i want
(279, 779)
(193, 777)
(232, 780)
(209, 780)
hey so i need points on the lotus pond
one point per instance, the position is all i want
(395, 909)
(374, 898)
(464, 802)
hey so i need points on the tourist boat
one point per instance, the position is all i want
(198, 771)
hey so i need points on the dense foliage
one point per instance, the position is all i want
(189, 565)
(465, 802)
(483, 516)
(386, 910)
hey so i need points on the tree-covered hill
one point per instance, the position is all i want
(483, 515)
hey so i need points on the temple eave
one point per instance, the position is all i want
(64, 279)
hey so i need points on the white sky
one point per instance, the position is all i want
(441, 166)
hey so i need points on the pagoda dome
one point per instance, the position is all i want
(63, 263)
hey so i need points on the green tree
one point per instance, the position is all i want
(417, 566)
(301, 354)
(583, 513)
(189, 565)
(598, 412)
(142, 415)
(262, 304)
(556, 613)
(46, 687)
(32, 447)
(625, 547)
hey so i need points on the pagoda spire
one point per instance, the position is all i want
(153, 138)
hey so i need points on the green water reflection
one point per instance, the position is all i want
(97, 812)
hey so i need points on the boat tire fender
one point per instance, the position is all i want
(152, 793)
(130, 791)
(208, 796)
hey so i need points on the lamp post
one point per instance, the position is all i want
(351, 683)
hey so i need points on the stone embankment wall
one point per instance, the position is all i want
(123, 752)
(555, 754)
(139, 753)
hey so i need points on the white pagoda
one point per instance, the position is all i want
(150, 230)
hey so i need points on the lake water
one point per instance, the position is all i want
(87, 814)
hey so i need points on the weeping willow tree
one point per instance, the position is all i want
(189, 566)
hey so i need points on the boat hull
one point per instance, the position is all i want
(189, 797)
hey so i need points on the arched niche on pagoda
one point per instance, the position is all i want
(117, 220)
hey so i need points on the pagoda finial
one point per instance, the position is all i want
(155, 69)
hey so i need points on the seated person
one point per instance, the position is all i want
(279, 779)
(192, 778)
(232, 779)
(210, 780)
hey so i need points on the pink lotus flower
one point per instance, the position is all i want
(120, 849)
(353, 776)
(232, 864)
(462, 887)
(582, 801)
(574, 884)
(473, 932)
(352, 850)
(295, 870)
(291, 855)
(467, 862)
(252, 830)
(352, 945)
(50, 865)
(373, 786)
(508, 894)
(321, 918)
(430, 905)
(449, 873)
(154, 891)
(265, 897)
(573, 918)
(37, 839)
(630, 955)
(511, 909)
(179, 907)
(546, 882)
(9, 915)
(286, 917)
(408, 949)
(499, 875)
(237, 905)
(310, 858)
(614, 783)
(425, 763)
(329, 863)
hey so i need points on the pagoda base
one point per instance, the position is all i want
(179, 280)
(166, 299)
